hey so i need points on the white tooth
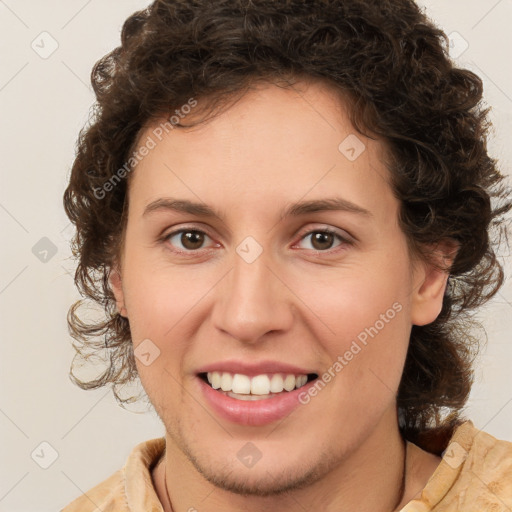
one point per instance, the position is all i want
(276, 383)
(216, 380)
(249, 397)
(226, 381)
(241, 384)
(260, 385)
(289, 383)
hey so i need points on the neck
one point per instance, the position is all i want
(370, 478)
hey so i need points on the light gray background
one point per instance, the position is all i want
(44, 103)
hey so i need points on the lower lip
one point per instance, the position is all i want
(253, 412)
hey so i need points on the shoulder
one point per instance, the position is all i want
(486, 468)
(475, 474)
(128, 489)
(107, 496)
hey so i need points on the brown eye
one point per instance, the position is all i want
(192, 239)
(321, 240)
(187, 239)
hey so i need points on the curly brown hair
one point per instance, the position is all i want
(392, 64)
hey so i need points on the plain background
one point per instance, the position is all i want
(44, 103)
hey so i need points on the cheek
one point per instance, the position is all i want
(366, 342)
(158, 295)
(163, 303)
(362, 317)
(356, 299)
(157, 302)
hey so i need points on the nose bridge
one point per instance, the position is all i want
(252, 300)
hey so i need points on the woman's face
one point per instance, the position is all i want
(255, 292)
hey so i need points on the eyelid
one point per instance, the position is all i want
(342, 234)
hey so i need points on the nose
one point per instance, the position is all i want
(253, 300)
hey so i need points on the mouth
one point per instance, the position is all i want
(258, 387)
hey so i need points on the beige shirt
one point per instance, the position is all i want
(475, 475)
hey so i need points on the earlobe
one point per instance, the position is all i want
(430, 285)
(116, 285)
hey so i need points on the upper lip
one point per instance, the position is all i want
(253, 368)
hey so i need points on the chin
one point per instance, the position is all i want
(266, 477)
(261, 482)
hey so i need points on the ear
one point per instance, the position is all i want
(116, 285)
(430, 283)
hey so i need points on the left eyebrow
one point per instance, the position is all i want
(321, 205)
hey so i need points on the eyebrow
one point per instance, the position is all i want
(293, 210)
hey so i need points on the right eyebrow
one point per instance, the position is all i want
(183, 206)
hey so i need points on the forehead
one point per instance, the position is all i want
(274, 144)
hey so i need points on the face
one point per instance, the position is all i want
(250, 291)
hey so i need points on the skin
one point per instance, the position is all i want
(295, 304)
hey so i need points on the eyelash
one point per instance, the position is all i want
(344, 241)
